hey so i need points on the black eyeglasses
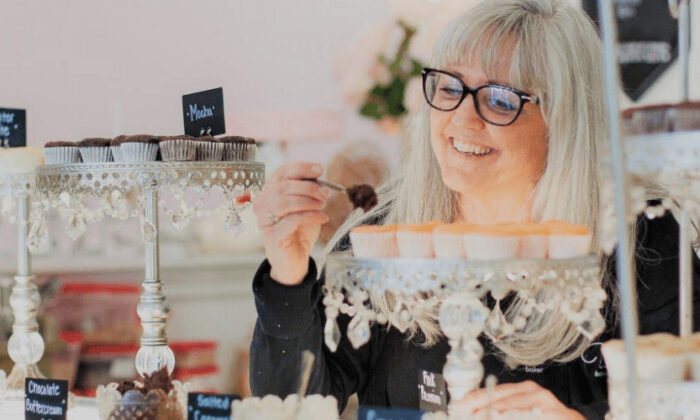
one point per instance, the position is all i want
(495, 104)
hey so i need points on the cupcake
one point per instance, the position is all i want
(416, 240)
(660, 357)
(661, 118)
(138, 148)
(495, 242)
(251, 148)
(178, 148)
(209, 149)
(114, 147)
(236, 148)
(60, 152)
(20, 160)
(533, 240)
(568, 240)
(693, 346)
(370, 241)
(448, 240)
(95, 150)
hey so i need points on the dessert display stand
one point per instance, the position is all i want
(25, 346)
(87, 192)
(671, 160)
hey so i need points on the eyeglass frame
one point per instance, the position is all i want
(466, 90)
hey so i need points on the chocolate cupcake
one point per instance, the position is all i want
(114, 147)
(178, 148)
(235, 148)
(251, 148)
(61, 152)
(95, 150)
(138, 148)
(209, 149)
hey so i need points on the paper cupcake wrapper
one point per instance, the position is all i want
(694, 359)
(448, 245)
(252, 150)
(486, 247)
(688, 119)
(415, 244)
(178, 150)
(569, 246)
(374, 245)
(533, 246)
(116, 153)
(210, 151)
(96, 154)
(138, 152)
(236, 151)
(61, 155)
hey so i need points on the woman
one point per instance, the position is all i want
(512, 130)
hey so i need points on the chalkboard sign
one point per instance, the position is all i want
(209, 406)
(13, 127)
(648, 41)
(45, 399)
(432, 391)
(203, 112)
(383, 413)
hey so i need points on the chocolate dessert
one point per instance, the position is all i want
(137, 138)
(95, 142)
(60, 144)
(661, 118)
(362, 196)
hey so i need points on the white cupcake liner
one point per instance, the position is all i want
(138, 152)
(694, 361)
(61, 155)
(687, 119)
(415, 244)
(533, 246)
(116, 153)
(210, 151)
(236, 151)
(178, 150)
(96, 154)
(491, 247)
(652, 364)
(252, 150)
(569, 246)
(448, 245)
(374, 244)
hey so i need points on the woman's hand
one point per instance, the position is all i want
(289, 213)
(522, 396)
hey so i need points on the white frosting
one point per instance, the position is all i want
(19, 160)
(271, 407)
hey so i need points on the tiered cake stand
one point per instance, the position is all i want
(88, 192)
(671, 161)
(25, 346)
(456, 291)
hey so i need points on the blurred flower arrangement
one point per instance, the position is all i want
(379, 71)
(385, 99)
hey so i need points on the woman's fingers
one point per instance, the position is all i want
(303, 188)
(481, 398)
(287, 227)
(298, 170)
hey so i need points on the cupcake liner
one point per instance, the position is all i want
(569, 246)
(138, 152)
(96, 154)
(374, 244)
(533, 246)
(688, 119)
(448, 245)
(61, 155)
(491, 247)
(178, 150)
(252, 150)
(659, 358)
(236, 151)
(116, 153)
(415, 244)
(210, 151)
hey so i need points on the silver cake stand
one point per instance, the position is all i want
(395, 290)
(25, 346)
(87, 192)
(672, 162)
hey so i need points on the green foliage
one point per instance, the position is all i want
(387, 100)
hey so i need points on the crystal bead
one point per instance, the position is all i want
(358, 331)
(331, 334)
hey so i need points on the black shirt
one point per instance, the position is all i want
(385, 371)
